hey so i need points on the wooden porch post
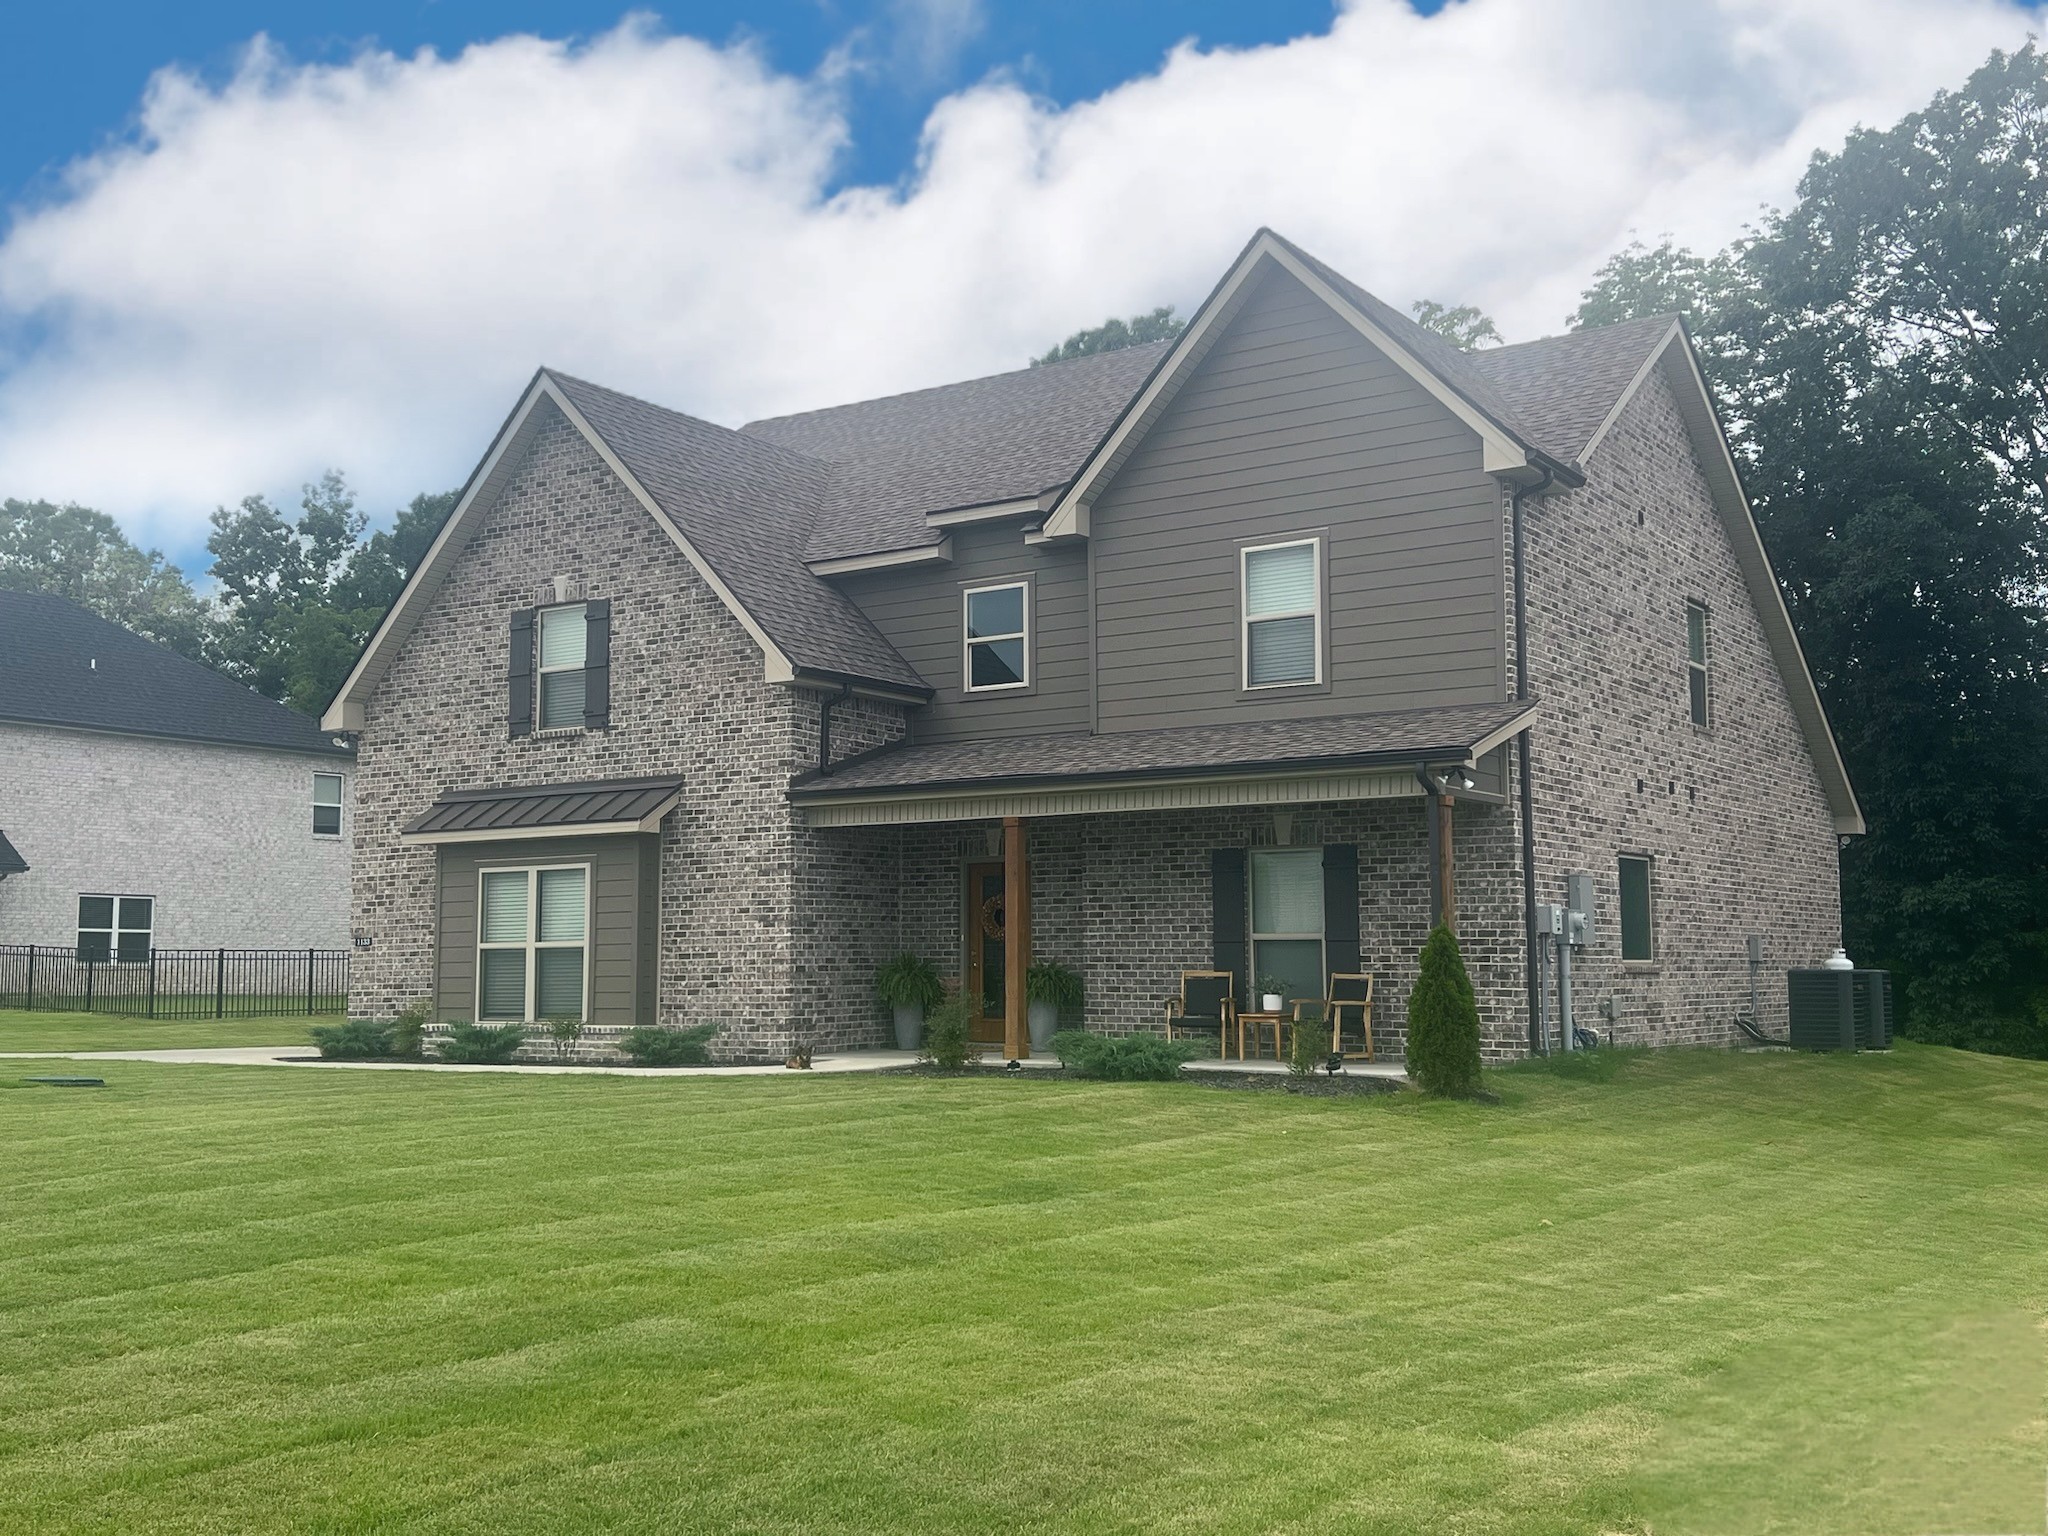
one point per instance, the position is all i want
(1448, 916)
(1016, 938)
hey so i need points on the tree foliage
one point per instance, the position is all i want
(1443, 1020)
(1113, 335)
(77, 553)
(1882, 348)
(1464, 326)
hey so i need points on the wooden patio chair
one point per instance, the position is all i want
(1206, 1001)
(1350, 992)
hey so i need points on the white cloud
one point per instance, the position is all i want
(360, 265)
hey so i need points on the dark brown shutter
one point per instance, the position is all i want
(1231, 948)
(597, 664)
(519, 674)
(1340, 906)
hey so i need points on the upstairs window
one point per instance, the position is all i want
(564, 642)
(1283, 619)
(998, 637)
(1638, 931)
(327, 805)
(1696, 661)
(115, 928)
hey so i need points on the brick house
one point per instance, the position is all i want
(1256, 649)
(147, 802)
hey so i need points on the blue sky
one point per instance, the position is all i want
(72, 73)
(225, 268)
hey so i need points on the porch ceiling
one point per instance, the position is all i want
(1345, 757)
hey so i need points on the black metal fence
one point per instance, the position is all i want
(176, 983)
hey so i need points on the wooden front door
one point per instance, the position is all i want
(985, 969)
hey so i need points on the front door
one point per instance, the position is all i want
(985, 968)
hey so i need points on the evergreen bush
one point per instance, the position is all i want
(353, 1040)
(948, 1031)
(1443, 1021)
(649, 1046)
(1123, 1058)
(482, 1044)
(408, 1029)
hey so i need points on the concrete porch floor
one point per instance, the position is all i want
(825, 1063)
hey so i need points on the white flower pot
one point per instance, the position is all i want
(1045, 1023)
(1270, 1003)
(909, 1026)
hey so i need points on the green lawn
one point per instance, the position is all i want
(21, 1031)
(1716, 1294)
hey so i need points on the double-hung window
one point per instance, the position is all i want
(327, 805)
(532, 943)
(115, 928)
(564, 634)
(998, 637)
(1282, 588)
(1696, 660)
(1638, 930)
(1287, 921)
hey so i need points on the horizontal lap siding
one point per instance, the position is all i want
(1295, 422)
(918, 609)
(622, 928)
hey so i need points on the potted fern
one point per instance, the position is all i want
(1049, 988)
(911, 987)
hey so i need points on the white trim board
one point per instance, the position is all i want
(940, 553)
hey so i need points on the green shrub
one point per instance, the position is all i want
(1310, 1043)
(354, 1040)
(1123, 1058)
(648, 1046)
(482, 1044)
(1443, 1021)
(408, 1029)
(565, 1032)
(948, 1036)
(1052, 983)
(908, 982)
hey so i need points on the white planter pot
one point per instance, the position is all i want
(1270, 1002)
(909, 1026)
(1045, 1023)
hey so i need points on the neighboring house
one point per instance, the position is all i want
(1180, 644)
(150, 803)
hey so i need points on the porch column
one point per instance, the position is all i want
(1447, 913)
(1016, 938)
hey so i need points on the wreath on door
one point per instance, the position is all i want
(993, 918)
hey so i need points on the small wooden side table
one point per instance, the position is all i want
(1257, 1021)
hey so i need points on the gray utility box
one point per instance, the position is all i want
(1840, 1010)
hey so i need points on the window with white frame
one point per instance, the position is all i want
(115, 928)
(1287, 921)
(998, 637)
(564, 636)
(1638, 926)
(327, 805)
(1696, 660)
(1282, 588)
(532, 942)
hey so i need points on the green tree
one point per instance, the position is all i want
(1443, 1021)
(1464, 326)
(1883, 350)
(81, 554)
(1113, 335)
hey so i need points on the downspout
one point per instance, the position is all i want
(1526, 794)
(1432, 789)
(827, 702)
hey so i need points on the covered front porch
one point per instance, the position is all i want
(1328, 848)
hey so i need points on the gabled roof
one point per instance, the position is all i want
(68, 666)
(1564, 389)
(1007, 437)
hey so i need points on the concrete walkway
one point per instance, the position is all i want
(833, 1063)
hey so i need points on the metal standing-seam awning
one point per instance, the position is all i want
(597, 809)
(11, 863)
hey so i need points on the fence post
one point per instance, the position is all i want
(29, 1006)
(309, 979)
(220, 983)
(89, 968)
(152, 984)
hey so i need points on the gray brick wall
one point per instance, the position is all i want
(221, 836)
(1733, 815)
(756, 933)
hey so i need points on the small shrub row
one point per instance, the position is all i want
(354, 1040)
(482, 1044)
(651, 1046)
(1123, 1058)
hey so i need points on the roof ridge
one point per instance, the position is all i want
(1480, 354)
(797, 454)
